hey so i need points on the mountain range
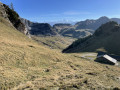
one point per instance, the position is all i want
(95, 24)
(79, 30)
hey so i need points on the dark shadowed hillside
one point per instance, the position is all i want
(42, 29)
(106, 38)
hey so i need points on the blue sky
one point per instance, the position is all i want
(63, 10)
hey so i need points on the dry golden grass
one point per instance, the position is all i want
(25, 64)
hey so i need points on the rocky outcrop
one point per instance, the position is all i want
(27, 23)
(39, 28)
(4, 15)
(13, 18)
(42, 29)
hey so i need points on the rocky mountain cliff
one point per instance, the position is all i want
(42, 29)
(13, 18)
(39, 28)
(27, 23)
(105, 38)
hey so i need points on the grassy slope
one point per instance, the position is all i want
(25, 64)
(81, 33)
(19, 52)
(56, 42)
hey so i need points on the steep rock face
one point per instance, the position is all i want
(13, 18)
(105, 38)
(39, 28)
(4, 15)
(27, 23)
(42, 29)
(2, 11)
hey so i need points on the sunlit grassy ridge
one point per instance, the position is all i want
(25, 64)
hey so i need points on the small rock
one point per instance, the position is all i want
(47, 70)
(116, 88)
(75, 86)
(92, 73)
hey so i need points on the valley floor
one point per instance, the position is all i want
(54, 42)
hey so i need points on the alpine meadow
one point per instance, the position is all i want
(53, 45)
